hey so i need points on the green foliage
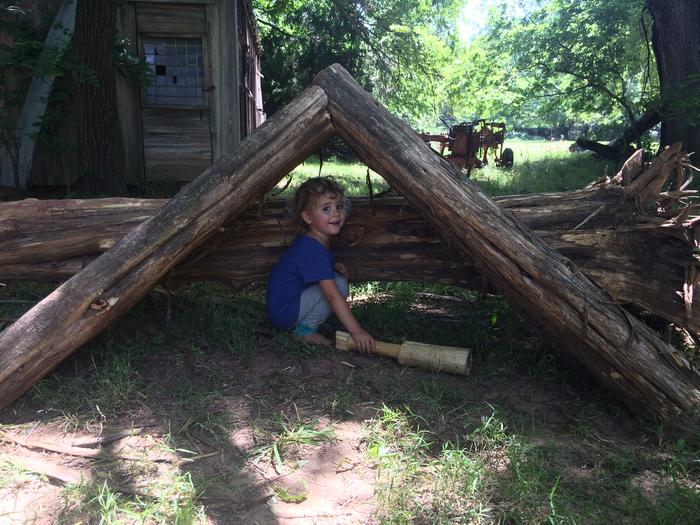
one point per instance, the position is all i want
(561, 62)
(543, 63)
(18, 60)
(394, 48)
(129, 63)
(287, 436)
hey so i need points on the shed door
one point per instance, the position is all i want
(175, 112)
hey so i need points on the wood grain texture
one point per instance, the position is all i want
(626, 356)
(635, 260)
(89, 301)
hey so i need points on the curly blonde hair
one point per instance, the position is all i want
(311, 190)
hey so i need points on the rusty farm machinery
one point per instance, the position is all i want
(468, 144)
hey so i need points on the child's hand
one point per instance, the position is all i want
(365, 342)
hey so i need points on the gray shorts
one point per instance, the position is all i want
(313, 307)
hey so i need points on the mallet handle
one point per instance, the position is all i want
(344, 341)
(437, 358)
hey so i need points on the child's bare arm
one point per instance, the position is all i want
(365, 342)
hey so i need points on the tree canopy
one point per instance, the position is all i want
(538, 63)
(394, 48)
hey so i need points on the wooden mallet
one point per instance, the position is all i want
(436, 358)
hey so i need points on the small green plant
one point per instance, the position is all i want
(461, 483)
(12, 473)
(491, 433)
(288, 496)
(167, 501)
(289, 435)
(344, 396)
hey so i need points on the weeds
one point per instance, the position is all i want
(344, 396)
(414, 486)
(168, 501)
(447, 450)
(290, 435)
(12, 473)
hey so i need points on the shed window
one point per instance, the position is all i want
(178, 71)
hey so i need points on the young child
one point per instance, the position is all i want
(304, 287)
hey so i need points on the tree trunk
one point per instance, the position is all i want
(625, 355)
(637, 258)
(648, 375)
(620, 147)
(89, 301)
(99, 144)
(17, 165)
(676, 41)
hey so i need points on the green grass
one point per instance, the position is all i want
(539, 166)
(542, 166)
(352, 175)
(286, 436)
(169, 501)
(443, 453)
(498, 475)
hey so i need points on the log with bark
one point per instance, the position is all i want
(620, 147)
(650, 376)
(645, 373)
(90, 300)
(637, 256)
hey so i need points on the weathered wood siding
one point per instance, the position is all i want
(171, 20)
(176, 143)
(177, 140)
(225, 65)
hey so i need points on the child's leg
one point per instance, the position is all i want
(314, 309)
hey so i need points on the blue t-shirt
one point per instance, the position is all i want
(305, 262)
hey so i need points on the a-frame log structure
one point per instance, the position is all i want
(88, 302)
(639, 255)
(627, 357)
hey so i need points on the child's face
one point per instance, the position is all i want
(325, 216)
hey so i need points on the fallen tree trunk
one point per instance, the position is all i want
(648, 375)
(626, 356)
(110, 285)
(620, 147)
(636, 258)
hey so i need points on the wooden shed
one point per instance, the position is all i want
(204, 99)
(205, 96)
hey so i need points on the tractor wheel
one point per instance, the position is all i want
(507, 158)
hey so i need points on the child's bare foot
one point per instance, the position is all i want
(315, 339)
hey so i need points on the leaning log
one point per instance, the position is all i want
(89, 301)
(650, 376)
(619, 148)
(624, 354)
(638, 258)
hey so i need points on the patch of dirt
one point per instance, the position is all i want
(216, 409)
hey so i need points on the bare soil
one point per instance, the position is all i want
(216, 407)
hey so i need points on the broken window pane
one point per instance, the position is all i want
(177, 64)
